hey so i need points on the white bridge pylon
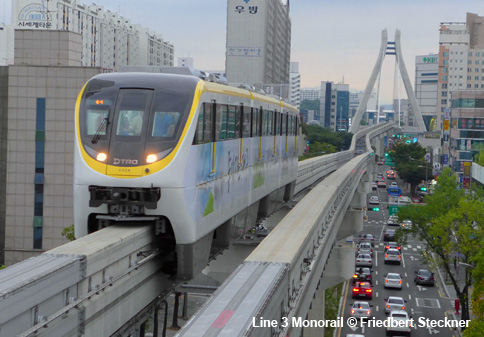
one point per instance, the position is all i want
(390, 48)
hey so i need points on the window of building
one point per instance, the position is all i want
(476, 62)
(470, 54)
(444, 93)
(444, 85)
(443, 101)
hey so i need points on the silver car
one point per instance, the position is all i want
(393, 221)
(393, 255)
(394, 303)
(364, 260)
(361, 310)
(365, 248)
(393, 280)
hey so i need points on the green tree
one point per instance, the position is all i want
(449, 225)
(411, 171)
(308, 104)
(316, 133)
(68, 232)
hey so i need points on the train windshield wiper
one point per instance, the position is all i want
(102, 127)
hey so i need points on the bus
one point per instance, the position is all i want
(394, 191)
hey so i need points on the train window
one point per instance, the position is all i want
(165, 123)
(131, 111)
(233, 122)
(255, 122)
(265, 116)
(204, 124)
(222, 112)
(96, 121)
(284, 124)
(277, 123)
(289, 126)
(246, 119)
(270, 117)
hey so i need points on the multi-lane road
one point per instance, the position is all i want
(426, 304)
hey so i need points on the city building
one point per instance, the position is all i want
(36, 154)
(310, 93)
(461, 58)
(335, 106)
(258, 43)
(6, 45)
(355, 99)
(295, 84)
(108, 40)
(185, 62)
(426, 87)
(466, 127)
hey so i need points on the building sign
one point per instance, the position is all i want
(446, 113)
(245, 51)
(445, 159)
(431, 59)
(246, 9)
(34, 15)
(446, 124)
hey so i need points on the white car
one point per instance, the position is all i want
(393, 221)
(407, 224)
(374, 200)
(361, 310)
(394, 183)
(394, 303)
(364, 260)
(393, 255)
(398, 323)
(393, 280)
(365, 248)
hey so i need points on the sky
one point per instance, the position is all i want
(333, 40)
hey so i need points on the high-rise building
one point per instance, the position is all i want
(467, 127)
(37, 141)
(108, 40)
(461, 58)
(335, 106)
(355, 99)
(310, 93)
(258, 42)
(426, 87)
(295, 84)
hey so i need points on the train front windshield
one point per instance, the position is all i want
(133, 126)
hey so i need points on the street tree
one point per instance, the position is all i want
(449, 223)
(409, 163)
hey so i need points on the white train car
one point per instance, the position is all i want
(185, 154)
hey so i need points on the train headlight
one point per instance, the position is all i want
(101, 157)
(151, 158)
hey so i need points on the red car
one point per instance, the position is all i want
(362, 289)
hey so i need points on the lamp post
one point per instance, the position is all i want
(426, 167)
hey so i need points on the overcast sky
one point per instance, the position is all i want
(331, 39)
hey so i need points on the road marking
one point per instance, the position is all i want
(376, 282)
(376, 259)
(414, 249)
(405, 274)
(377, 294)
(408, 285)
(409, 297)
(403, 260)
(344, 304)
(376, 272)
(420, 288)
(419, 247)
(377, 308)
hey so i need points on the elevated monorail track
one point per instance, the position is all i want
(94, 285)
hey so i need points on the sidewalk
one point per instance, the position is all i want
(450, 292)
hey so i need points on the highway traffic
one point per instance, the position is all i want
(426, 305)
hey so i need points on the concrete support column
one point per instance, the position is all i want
(316, 312)
(340, 266)
(351, 224)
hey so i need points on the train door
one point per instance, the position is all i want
(128, 132)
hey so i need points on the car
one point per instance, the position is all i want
(381, 162)
(393, 280)
(364, 260)
(393, 221)
(367, 238)
(362, 274)
(389, 235)
(365, 248)
(424, 276)
(393, 255)
(374, 187)
(379, 176)
(362, 289)
(394, 245)
(394, 303)
(361, 310)
(354, 335)
(374, 200)
(407, 224)
(394, 183)
(382, 184)
(399, 322)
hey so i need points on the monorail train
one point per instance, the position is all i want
(182, 153)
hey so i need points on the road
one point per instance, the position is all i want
(423, 302)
